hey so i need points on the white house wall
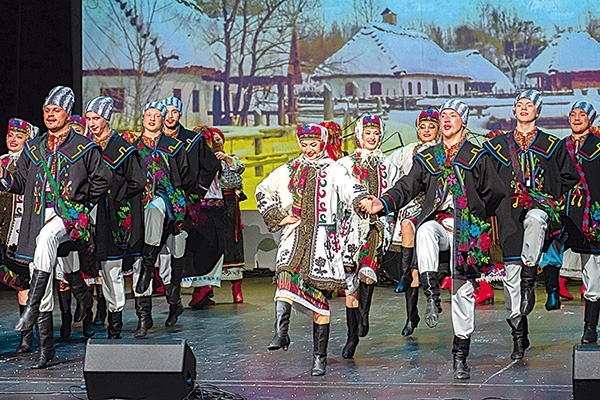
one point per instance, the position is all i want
(187, 83)
(392, 87)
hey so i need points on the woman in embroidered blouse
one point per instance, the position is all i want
(399, 258)
(302, 199)
(367, 238)
(14, 272)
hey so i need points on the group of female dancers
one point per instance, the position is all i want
(327, 242)
(342, 217)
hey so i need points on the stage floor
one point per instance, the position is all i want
(229, 342)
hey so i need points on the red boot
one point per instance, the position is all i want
(236, 290)
(562, 289)
(201, 297)
(446, 283)
(485, 293)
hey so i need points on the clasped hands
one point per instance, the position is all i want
(371, 205)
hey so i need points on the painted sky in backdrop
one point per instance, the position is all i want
(545, 13)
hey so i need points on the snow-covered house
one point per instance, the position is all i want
(487, 78)
(385, 60)
(570, 61)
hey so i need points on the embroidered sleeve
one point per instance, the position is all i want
(268, 198)
(273, 217)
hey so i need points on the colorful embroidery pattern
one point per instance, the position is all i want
(121, 217)
(297, 171)
(474, 233)
(529, 197)
(74, 215)
(176, 196)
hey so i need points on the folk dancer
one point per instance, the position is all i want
(399, 258)
(64, 176)
(165, 163)
(367, 238)
(537, 171)
(203, 167)
(582, 220)
(118, 212)
(15, 271)
(461, 190)
(302, 198)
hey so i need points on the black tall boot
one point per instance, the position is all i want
(85, 301)
(590, 319)
(528, 275)
(143, 309)
(431, 288)
(551, 280)
(412, 312)
(460, 352)
(406, 278)
(66, 317)
(100, 307)
(320, 340)
(518, 333)
(37, 287)
(526, 342)
(281, 340)
(352, 320)
(364, 307)
(46, 340)
(173, 292)
(26, 337)
(148, 265)
(392, 265)
(115, 325)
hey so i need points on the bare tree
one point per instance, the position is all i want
(130, 32)
(256, 37)
(366, 11)
(515, 39)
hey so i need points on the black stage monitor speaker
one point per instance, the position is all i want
(139, 369)
(586, 372)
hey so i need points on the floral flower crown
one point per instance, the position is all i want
(428, 115)
(309, 132)
(371, 121)
(21, 126)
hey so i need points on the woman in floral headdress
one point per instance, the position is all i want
(14, 272)
(399, 259)
(302, 199)
(367, 238)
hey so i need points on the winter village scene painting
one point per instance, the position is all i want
(258, 68)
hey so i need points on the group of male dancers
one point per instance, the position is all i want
(104, 199)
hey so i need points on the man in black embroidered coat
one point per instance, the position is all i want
(583, 210)
(64, 177)
(461, 190)
(118, 215)
(537, 171)
(203, 168)
(167, 179)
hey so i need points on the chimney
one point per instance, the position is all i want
(389, 17)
